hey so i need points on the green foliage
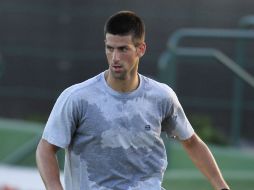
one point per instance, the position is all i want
(203, 126)
(40, 118)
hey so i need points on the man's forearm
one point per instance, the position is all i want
(204, 160)
(48, 166)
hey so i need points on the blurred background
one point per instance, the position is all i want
(202, 49)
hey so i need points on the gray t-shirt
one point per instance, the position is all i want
(112, 139)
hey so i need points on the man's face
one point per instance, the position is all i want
(122, 55)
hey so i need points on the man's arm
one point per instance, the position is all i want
(48, 165)
(204, 160)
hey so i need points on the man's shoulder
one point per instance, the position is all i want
(83, 87)
(156, 86)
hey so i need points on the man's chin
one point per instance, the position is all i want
(118, 75)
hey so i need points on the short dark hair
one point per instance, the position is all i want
(124, 23)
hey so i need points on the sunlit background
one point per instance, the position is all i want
(202, 49)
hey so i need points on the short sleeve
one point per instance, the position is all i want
(176, 123)
(62, 121)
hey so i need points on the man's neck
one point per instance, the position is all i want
(122, 85)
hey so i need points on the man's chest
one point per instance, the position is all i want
(121, 123)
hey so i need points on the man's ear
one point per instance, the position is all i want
(141, 49)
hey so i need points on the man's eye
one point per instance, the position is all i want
(109, 49)
(123, 49)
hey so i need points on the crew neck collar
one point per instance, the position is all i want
(118, 94)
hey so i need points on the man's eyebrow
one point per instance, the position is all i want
(118, 47)
(124, 46)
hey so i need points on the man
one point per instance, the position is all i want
(110, 125)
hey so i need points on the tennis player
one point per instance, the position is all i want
(110, 125)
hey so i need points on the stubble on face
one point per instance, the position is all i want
(122, 56)
(124, 74)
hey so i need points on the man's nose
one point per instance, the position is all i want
(116, 55)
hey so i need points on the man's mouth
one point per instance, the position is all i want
(117, 68)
